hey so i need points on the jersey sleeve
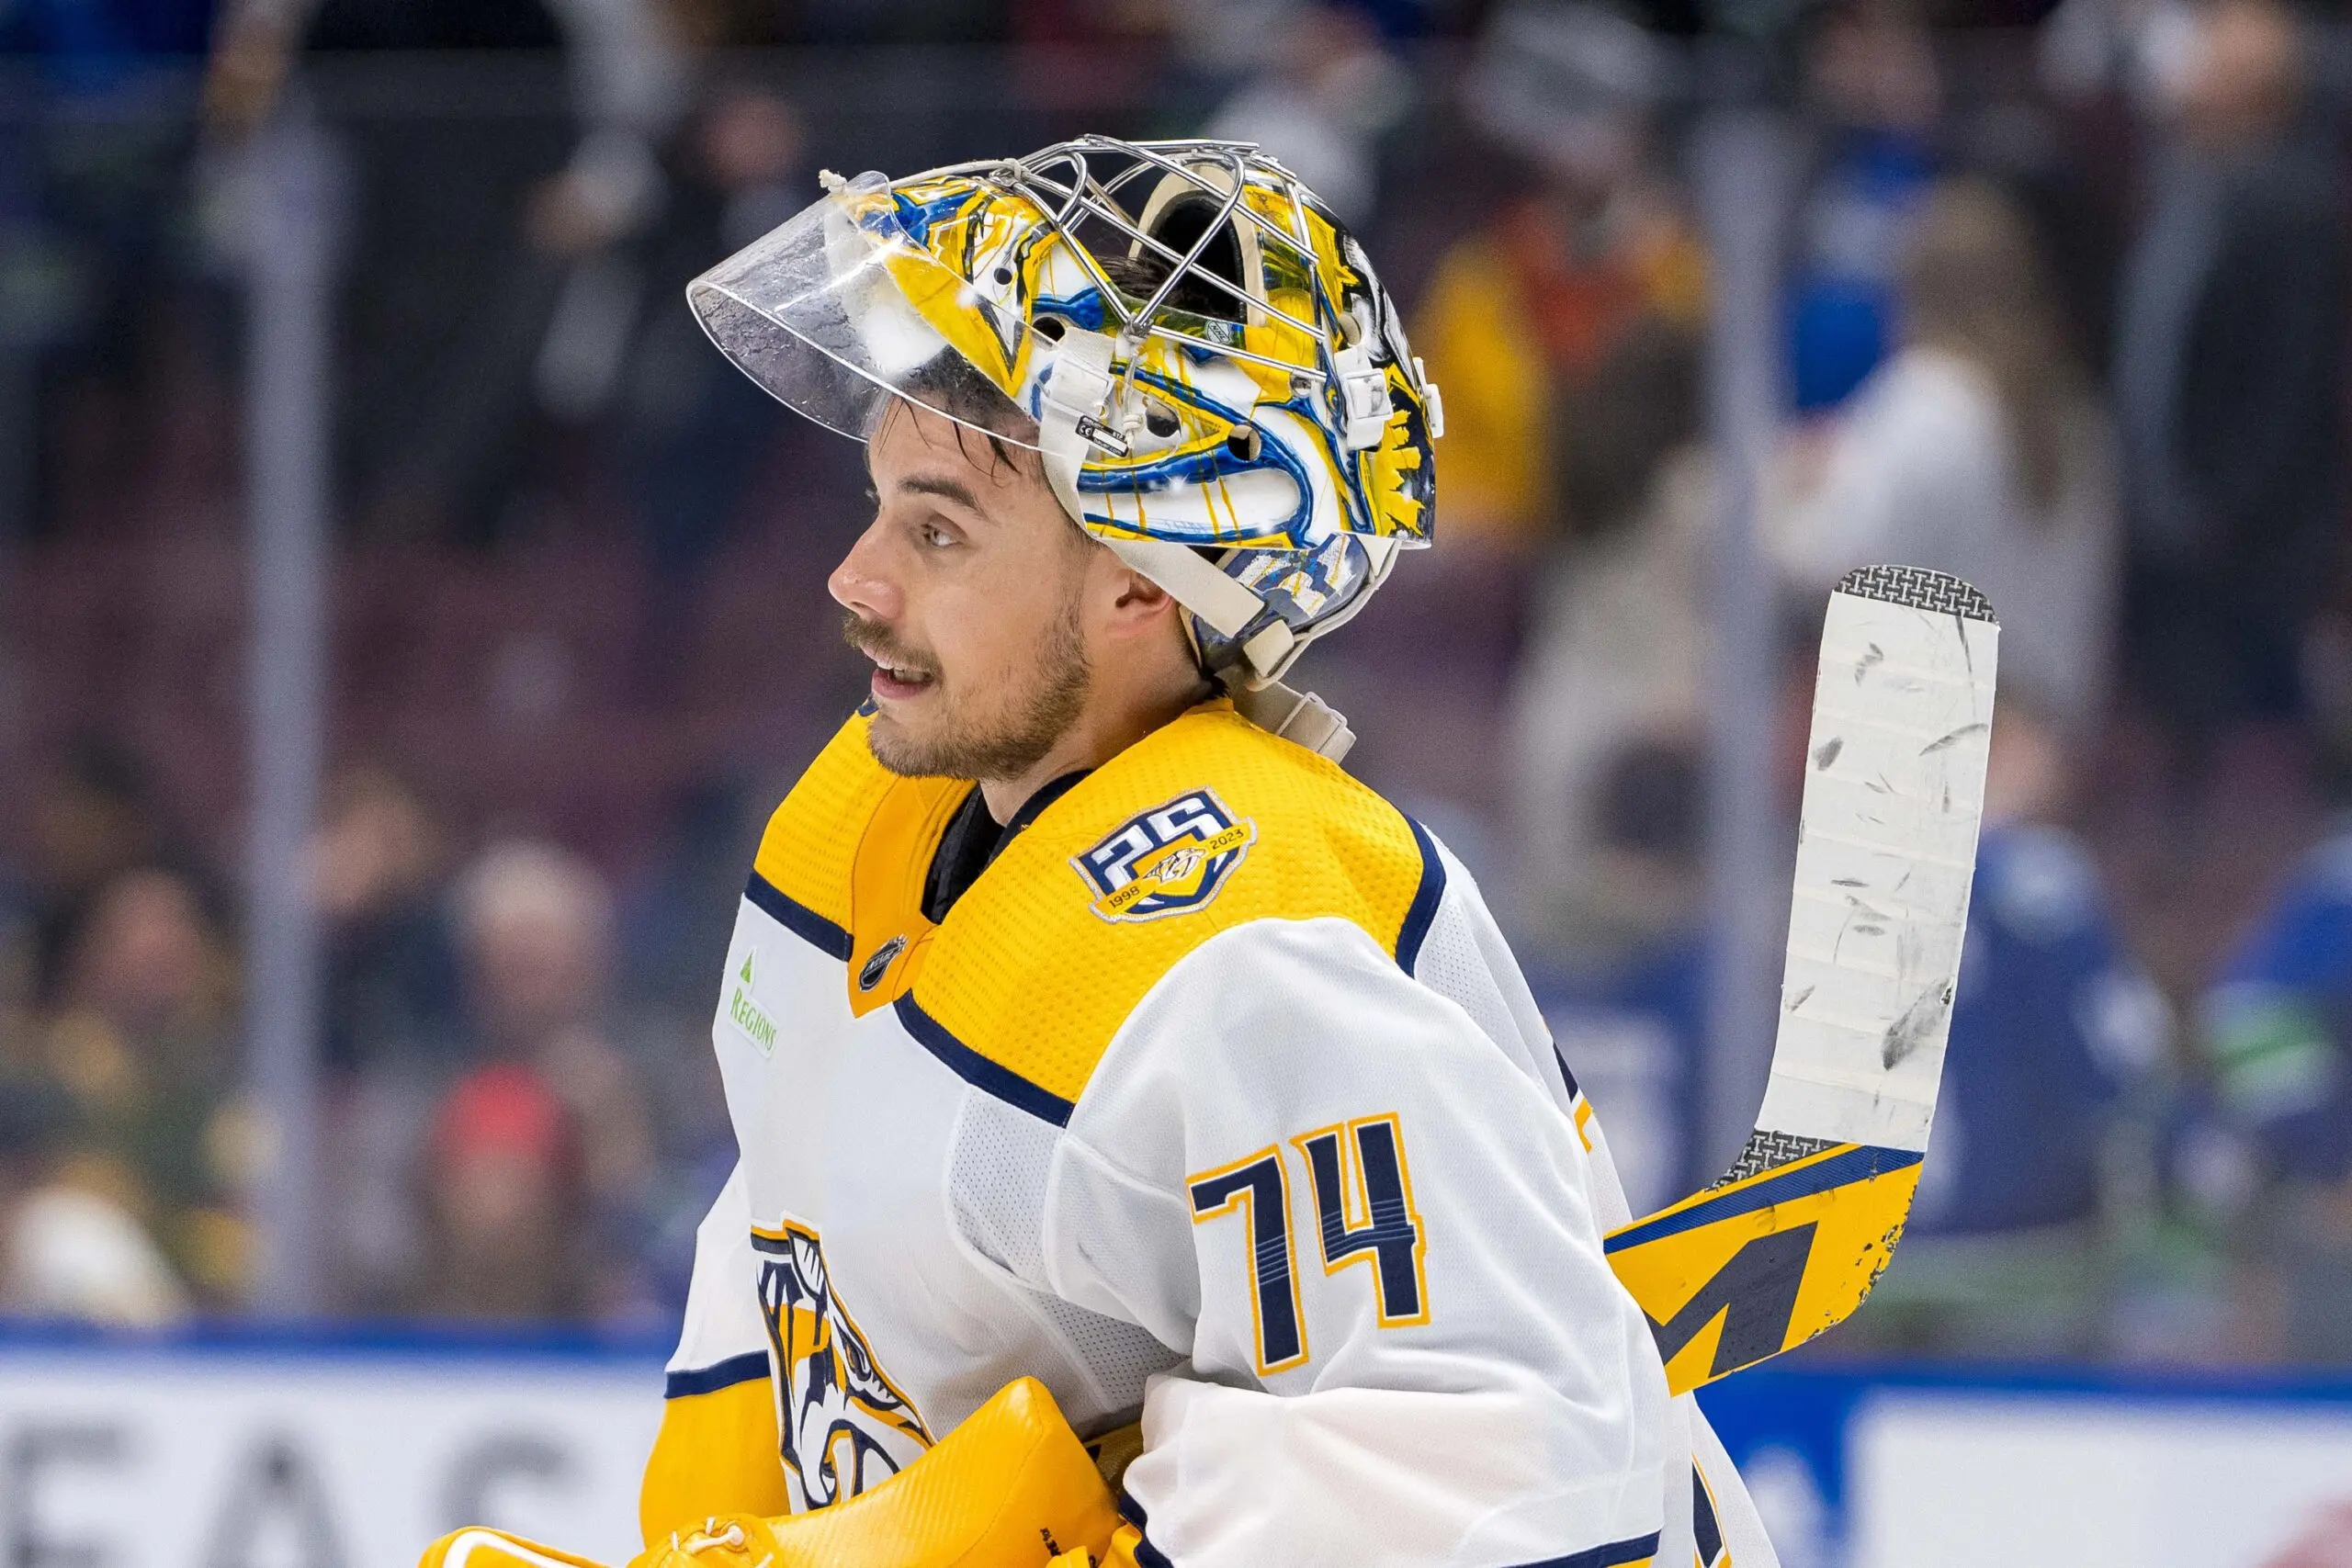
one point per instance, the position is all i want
(717, 1451)
(1375, 1234)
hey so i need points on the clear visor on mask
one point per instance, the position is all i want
(843, 309)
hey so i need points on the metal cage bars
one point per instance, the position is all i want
(1062, 202)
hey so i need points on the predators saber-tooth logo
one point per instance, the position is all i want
(845, 1426)
(1168, 861)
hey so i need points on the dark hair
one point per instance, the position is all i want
(1138, 276)
(950, 384)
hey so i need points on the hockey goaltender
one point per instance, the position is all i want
(1149, 1151)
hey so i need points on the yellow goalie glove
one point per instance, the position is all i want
(1011, 1488)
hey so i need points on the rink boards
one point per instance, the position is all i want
(250, 1450)
(247, 1450)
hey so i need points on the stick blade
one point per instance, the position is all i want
(1791, 1239)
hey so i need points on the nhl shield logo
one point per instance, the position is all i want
(1167, 861)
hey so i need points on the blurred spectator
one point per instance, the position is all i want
(1327, 92)
(693, 430)
(629, 80)
(2140, 49)
(536, 925)
(1977, 451)
(67, 1251)
(391, 965)
(467, 322)
(1874, 98)
(1624, 979)
(1555, 327)
(2276, 1032)
(2054, 1072)
(504, 1202)
(535, 929)
(392, 1024)
(2229, 383)
(93, 818)
(1525, 312)
(142, 1045)
(1617, 640)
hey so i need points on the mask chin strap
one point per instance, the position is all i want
(1073, 420)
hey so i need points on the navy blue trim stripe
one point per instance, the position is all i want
(1613, 1555)
(1568, 1074)
(798, 919)
(1857, 1164)
(1146, 1554)
(718, 1375)
(978, 1070)
(1706, 1531)
(1423, 908)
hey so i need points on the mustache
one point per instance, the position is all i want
(877, 641)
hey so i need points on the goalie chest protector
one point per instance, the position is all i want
(898, 1087)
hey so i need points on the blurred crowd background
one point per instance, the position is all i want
(2062, 307)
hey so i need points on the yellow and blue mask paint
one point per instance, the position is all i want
(981, 263)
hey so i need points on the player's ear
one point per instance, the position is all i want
(1137, 605)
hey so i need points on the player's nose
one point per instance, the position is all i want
(862, 582)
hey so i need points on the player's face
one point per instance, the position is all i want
(967, 592)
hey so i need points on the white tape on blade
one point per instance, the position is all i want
(1894, 792)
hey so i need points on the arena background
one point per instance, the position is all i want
(406, 622)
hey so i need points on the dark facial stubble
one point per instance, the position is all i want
(997, 748)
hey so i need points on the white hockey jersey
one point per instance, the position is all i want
(1215, 1101)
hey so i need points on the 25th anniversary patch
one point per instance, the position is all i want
(1168, 861)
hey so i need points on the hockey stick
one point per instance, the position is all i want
(1792, 1238)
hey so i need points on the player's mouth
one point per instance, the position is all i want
(896, 678)
(897, 683)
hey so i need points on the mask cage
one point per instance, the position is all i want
(1077, 186)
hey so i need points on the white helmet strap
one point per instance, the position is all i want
(1195, 582)
(1072, 419)
(1074, 401)
(1299, 716)
(1073, 413)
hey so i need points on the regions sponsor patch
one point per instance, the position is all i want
(1168, 861)
(742, 1007)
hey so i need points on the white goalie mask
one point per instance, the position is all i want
(1217, 384)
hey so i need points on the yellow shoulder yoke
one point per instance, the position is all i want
(1039, 964)
(1205, 824)
(801, 875)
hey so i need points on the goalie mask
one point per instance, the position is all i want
(1216, 382)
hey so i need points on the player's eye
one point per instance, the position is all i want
(934, 536)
